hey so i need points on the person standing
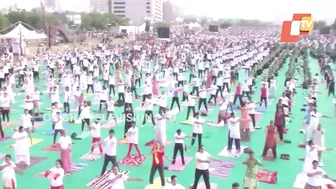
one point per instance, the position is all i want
(110, 151)
(250, 178)
(110, 109)
(234, 132)
(21, 146)
(96, 135)
(316, 177)
(149, 110)
(129, 118)
(279, 122)
(318, 139)
(179, 145)
(270, 141)
(133, 139)
(175, 98)
(27, 123)
(65, 143)
(56, 175)
(203, 159)
(66, 101)
(85, 115)
(160, 136)
(157, 164)
(191, 106)
(202, 98)
(197, 129)
(263, 95)
(58, 125)
(8, 169)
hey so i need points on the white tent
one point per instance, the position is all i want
(21, 31)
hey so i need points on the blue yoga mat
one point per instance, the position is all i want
(83, 135)
(262, 109)
(51, 132)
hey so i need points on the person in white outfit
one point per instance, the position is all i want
(8, 169)
(312, 151)
(116, 179)
(21, 146)
(316, 177)
(318, 138)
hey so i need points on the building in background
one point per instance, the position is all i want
(168, 12)
(100, 5)
(52, 5)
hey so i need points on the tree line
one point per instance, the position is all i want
(34, 18)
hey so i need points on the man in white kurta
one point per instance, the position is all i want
(161, 123)
(21, 146)
(313, 123)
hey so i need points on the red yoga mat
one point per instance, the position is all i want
(267, 176)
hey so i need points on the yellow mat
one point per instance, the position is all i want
(187, 122)
(35, 141)
(156, 184)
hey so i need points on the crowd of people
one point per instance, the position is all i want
(193, 71)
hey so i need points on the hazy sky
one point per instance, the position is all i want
(271, 10)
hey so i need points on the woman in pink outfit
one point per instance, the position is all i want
(244, 121)
(65, 144)
(155, 86)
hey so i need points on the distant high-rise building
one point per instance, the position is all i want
(53, 5)
(138, 10)
(100, 5)
(168, 12)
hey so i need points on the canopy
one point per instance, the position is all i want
(194, 25)
(24, 32)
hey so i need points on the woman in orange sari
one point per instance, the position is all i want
(270, 141)
(245, 122)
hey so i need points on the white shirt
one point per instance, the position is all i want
(205, 156)
(121, 88)
(316, 180)
(28, 105)
(198, 122)
(149, 104)
(67, 95)
(132, 135)
(65, 142)
(314, 119)
(128, 98)
(58, 124)
(119, 183)
(191, 101)
(179, 139)
(85, 113)
(26, 120)
(5, 101)
(8, 173)
(202, 94)
(110, 106)
(252, 107)
(59, 180)
(111, 146)
(284, 100)
(234, 128)
(95, 130)
(35, 95)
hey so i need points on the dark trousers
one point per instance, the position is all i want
(253, 120)
(226, 85)
(101, 104)
(121, 97)
(238, 97)
(246, 93)
(87, 121)
(133, 90)
(191, 108)
(111, 89)
(206, 177)
(230, 142)
(280, 130)
(212, 97)
(219, 90)
(5, 114)
(266, 149)
(2, 133)
(263, 100)
(195, 90)
(56, 131)
(148, 113)
(178, 147)
(66, 107)
(90, 86)
(204, 102)
(107, 159)
(153, 170)
(108, 115)
(199, 137)
(175, 99)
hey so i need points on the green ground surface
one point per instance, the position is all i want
(287, 170)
